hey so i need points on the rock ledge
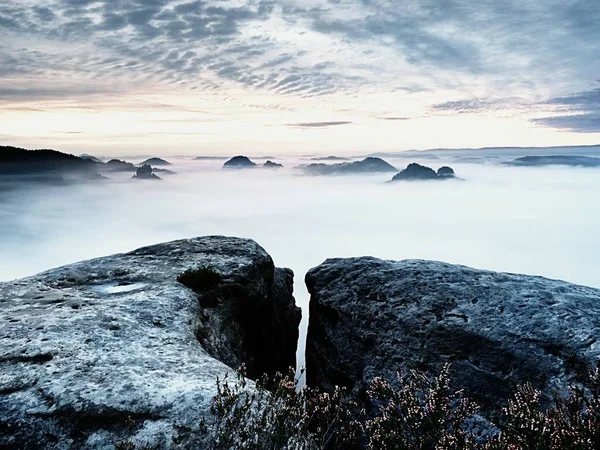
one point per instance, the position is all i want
(108, 349)
(370, 317)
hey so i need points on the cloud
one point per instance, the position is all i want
(582, 101)
(292, 49)
(47, 93)
(484, 105)
(467, 105)
(44, 14)
(578, 123)
(319, 124)
(22, 109)
(394, 118)
(580, 112)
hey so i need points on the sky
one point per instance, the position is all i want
(182, 77)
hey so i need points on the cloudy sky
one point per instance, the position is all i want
(298, 76)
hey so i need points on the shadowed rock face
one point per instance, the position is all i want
(115, 348)
(370, 317)
(239, 162)
(367, 165)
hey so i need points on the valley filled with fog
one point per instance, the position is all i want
(532, 220)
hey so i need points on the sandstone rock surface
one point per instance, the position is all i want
(115, 349)
(370, 317)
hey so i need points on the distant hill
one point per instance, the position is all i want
(417, 172)
(91, 158)
(18, 161)
(272, 165)
(502, 152)
(117, 165)
(553, 160)
(367, 165)
(163, 171)
(155, 162)
(239, 162)
(329, 158)
(211, 158)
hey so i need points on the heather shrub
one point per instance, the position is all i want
(276, 415)
(422, 413)
(571, 423)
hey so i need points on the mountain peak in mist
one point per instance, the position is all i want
(156, 162)
(415, 172)
(239, 162)
(370, 164)
(272, 165)
(145, 173)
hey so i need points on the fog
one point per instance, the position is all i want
(542, 221)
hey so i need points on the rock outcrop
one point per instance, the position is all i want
(370, 317)
(446, 172)
(415, 172)
(116, 349)
(238, 162)
(145, 172)
(367, 165)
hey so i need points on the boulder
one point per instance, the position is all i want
(370, 318)
(115, 349)
(239, 162)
